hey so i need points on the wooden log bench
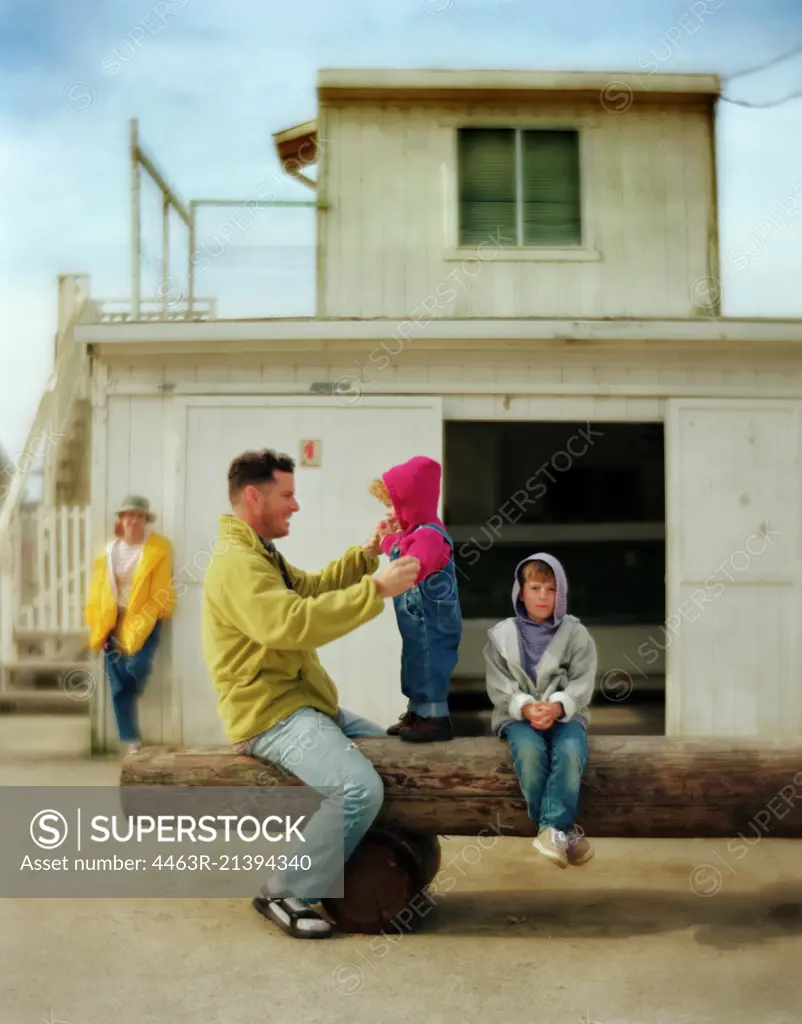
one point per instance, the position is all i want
(633, 787)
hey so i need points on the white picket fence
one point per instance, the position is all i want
(52, 565)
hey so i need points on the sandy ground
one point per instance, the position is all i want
(622, 940)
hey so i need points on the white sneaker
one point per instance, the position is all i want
(552, 844)
(133, 748)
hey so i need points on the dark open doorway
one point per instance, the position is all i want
(593, 495)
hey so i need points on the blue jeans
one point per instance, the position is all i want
(127, 675)
(549, 767)
(318, 749)
(430, 623)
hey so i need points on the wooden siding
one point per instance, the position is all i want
(734, 568)
(519, 384)
(137, 411)
(387, 241)
(129, 440)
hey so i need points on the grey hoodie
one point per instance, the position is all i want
(535, 637)
(566, 672)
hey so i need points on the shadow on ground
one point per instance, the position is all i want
(723, 921)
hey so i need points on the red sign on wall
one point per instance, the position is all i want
(310, 453)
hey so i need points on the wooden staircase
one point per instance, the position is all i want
(45, 536)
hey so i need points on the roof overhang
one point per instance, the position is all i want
(297, 148)
(434, 84)
(722, 337)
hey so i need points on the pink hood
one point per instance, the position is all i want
(414, 487)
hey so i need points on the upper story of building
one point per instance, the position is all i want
(512, 194)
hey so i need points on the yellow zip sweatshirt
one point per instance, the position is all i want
(152, 597)
(260, 637)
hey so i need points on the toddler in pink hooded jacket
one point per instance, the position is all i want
(428, 615)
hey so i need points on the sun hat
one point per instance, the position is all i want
(136, 503)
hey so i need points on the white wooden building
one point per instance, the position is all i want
(518, 274)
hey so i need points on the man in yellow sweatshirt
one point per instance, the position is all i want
(262, 622)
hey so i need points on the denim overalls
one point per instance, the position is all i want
(430, 622)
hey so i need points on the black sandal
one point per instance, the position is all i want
(294, 917)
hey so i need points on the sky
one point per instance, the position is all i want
(210, 83)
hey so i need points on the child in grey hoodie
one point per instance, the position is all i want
(541, 670)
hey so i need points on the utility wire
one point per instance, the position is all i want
(767, 64)
(762, 67)
(763, 106)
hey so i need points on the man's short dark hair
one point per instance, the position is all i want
(255, 468)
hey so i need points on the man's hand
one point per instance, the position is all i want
(397, 577)
(372, 546)
(542, 715)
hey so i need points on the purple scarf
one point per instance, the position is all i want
(535, 637)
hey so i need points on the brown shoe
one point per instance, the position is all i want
(551, 844)
(579, 852)
(427, 730)
(406, 719)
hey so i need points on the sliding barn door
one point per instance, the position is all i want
(734, 586)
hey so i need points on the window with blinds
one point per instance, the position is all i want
(519, 185)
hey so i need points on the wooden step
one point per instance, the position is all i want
(614, 685)
(40, 635)
(53, 699)
(54, 665)
(628, 719)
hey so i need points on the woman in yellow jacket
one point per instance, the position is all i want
(130, 594)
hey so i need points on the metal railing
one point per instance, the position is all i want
(187, 306)
(118, 311)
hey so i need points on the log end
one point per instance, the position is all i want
(383, 883)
